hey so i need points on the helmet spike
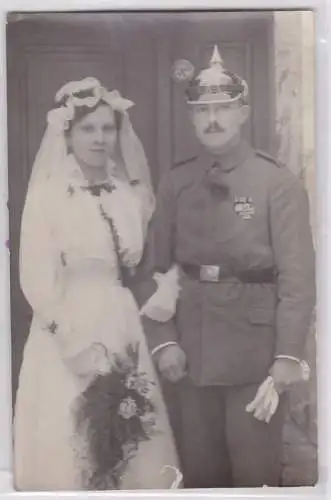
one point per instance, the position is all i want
(216, 58)
(212, 84)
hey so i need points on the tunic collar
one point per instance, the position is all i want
(235, 156)
(216, 169)
(229, 160)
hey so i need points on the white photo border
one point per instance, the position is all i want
(322, 9)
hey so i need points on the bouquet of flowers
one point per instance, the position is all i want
(115, 414)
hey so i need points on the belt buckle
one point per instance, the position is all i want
(209, 273)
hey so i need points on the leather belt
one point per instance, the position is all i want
(216, 274)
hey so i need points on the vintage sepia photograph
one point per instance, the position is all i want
(161, 169)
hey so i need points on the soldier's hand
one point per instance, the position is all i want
(172, 363)
(285, 372)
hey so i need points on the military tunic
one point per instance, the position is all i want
(250, 213)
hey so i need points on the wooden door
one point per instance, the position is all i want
(133, 53)
(243, 41)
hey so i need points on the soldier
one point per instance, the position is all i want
(235, 223)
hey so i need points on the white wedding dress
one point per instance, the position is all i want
(71, 278)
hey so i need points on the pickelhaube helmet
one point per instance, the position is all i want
(214, 84)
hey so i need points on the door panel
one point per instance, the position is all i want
(56, 68)
(139, 85)
(244, 44)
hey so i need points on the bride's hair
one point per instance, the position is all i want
(83, 110)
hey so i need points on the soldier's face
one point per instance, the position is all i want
(218, 124)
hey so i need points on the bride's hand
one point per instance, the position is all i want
(90, 362)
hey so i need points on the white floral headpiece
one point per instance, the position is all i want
(61, 117)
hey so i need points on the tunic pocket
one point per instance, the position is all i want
(262, 316)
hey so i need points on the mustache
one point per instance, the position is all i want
(214, 127)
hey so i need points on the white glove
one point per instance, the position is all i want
(161, 306)
(266, 401)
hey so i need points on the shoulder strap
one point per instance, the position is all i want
(184, 162)
(269, 158)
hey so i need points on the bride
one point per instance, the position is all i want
(89, 412)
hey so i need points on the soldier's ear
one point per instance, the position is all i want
(245, 111)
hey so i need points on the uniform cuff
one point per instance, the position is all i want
(305, 369)
(161, 346)
(284, 356)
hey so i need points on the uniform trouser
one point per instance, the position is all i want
(220, 444)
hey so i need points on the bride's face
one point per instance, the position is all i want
(93, 138)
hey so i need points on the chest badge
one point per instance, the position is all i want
(244, 207)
